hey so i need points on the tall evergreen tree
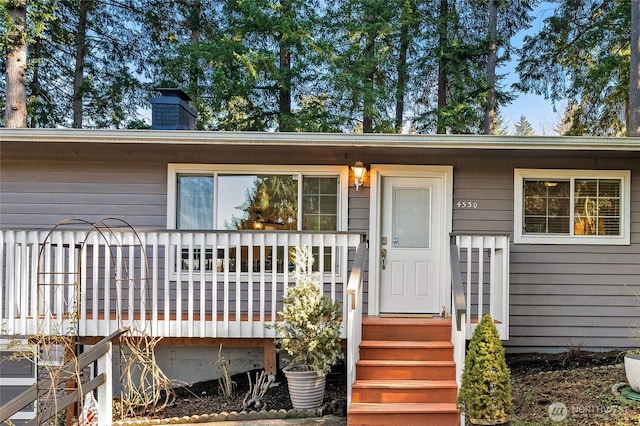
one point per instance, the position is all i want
(582, 54)
(523, 127)
(254, 60)
(16, 62)
(362, 63)
(492, 61)
(82, 55)
(633, 123)
(467, 84)
(287, 65)
(443, 37)
(564, 123)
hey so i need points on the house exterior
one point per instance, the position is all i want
(547, 229)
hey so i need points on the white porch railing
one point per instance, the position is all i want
(484, 263)
(169, 283)
(354, 322)
(458, 311)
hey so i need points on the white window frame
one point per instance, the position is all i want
(175, 169)
(625, 207)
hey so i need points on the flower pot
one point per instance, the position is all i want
(306, 388)
(632, 370)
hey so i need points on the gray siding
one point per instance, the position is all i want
(561, 296)
(41, 193)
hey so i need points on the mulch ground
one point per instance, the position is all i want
(206, 397)
(580, 386)
(582, 382)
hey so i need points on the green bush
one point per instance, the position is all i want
(485, 393)
(309, 324)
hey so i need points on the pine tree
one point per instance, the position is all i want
(361, 62)
(633, 124)
(16, 62)
(500, 129)
(83, 56)
(582, 54)
(523, 127)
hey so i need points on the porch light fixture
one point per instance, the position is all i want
(359, 173)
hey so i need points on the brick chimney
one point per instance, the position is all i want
(171, 111)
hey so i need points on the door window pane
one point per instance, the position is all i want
(411, 217)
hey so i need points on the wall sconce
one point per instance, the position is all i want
(359, 173)
(258, 224)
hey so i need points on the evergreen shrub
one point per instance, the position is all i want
(485, 392)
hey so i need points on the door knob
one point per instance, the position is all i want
(383, 255)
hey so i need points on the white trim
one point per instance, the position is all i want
(411, 141)
(174, 169)
(445, 173)
(520, 238)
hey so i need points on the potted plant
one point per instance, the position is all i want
(485, 392)
(632, 369)
(309, 331)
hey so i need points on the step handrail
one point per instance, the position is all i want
(356, 277)
(459, 306)
(67, 372)
(354, 314)
(459, 299)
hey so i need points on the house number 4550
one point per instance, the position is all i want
(467, 204)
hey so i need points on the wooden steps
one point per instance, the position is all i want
(406, 373)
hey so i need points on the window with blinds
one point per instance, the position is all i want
(555, 206)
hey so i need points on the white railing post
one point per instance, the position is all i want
(459, 344)
(493, 249)
(105, 391)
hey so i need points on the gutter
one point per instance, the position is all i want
(181, 137)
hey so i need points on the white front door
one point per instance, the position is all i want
(410, 244)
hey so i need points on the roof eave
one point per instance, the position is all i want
(179, 137)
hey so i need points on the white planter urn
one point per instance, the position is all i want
(632, 370)
(306, 388)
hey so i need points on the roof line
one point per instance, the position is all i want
(179, 137)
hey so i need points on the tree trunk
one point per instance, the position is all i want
(35, 88)
(81, 52)
(402, 81)
(490, 112)
(442, 74)
(633, 123)
(367, 96)
(193, 25)
(402, 68)
(284, 88)
(16, 86)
